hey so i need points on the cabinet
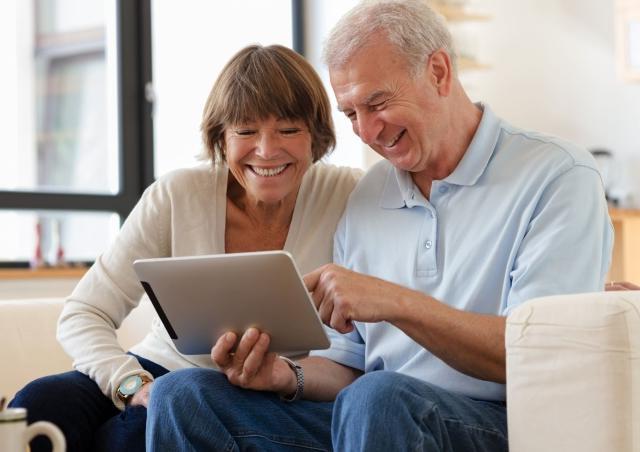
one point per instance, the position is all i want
(625, 262)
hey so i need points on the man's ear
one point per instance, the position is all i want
(441, 71)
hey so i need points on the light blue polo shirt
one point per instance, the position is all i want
(523, 215)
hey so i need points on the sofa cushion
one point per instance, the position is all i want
(29, 346)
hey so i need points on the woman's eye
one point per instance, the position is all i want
(351, 115)
(245, 132)
(290, 131)
(377, 106)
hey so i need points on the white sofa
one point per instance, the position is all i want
(573, 366)
(573, 374)
(29, 346)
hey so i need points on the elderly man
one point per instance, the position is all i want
(465, 218)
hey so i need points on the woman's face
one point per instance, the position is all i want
(269, 157)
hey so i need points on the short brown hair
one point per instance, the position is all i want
(259, 82)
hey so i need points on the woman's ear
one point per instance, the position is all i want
(441, 71)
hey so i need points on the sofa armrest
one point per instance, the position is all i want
(29, 346)
(573, 373)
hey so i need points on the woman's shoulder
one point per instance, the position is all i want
(323, 175)
(199, 178)
(199, 174)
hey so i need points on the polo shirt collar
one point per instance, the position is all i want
(400, 189)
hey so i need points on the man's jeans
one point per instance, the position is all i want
(198, 409)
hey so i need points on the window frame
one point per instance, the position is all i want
(135, 123)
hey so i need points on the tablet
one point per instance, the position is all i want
(199, 298)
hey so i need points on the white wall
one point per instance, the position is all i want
(553, 69)
(192, 41)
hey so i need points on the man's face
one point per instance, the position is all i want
(392, 111)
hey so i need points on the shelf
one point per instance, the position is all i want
(620, 214)
(468, 64)
(454, 13)
(27, 273)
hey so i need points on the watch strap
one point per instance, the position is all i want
(297, 395)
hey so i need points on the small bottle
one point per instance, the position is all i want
(56, 245)
(36, 260)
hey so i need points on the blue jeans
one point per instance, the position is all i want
(88, 419)
(198, 409)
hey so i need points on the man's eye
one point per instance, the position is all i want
(377, 106)
(245, 132)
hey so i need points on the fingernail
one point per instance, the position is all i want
(229, 337)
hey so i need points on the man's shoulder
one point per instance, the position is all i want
(542, 148)
(372, 183)
(375, 176)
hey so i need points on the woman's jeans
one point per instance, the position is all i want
(199, 410)
(88, 419)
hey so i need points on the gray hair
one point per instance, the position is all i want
(411, 26)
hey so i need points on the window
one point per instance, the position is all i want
(190, 47)
(78, 106)
(70, 167)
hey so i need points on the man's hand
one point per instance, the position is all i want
(142, 396)
(251, 366)
(620, 285)
(341, 296)
(469, 342)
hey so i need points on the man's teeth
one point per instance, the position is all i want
(395, 140)
(267, 172)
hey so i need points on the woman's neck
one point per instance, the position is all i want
(253, 225)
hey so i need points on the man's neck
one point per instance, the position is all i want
(464, 121)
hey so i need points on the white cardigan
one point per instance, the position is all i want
(181, 214)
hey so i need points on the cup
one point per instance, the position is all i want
(15, 434)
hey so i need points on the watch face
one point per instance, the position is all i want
(130, 385)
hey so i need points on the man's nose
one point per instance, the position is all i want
(368, 127)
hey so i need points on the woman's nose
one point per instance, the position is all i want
(268, 144)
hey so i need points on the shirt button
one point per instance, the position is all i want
(443, 189)
(428, 244)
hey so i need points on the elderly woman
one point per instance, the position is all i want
(266, 125)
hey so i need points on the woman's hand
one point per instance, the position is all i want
(251, 366)
(620, 285)
(142, 396)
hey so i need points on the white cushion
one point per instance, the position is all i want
(29, 347)
(573, 373)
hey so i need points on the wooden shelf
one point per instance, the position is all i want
(467, 64)
(42, 273)
(454, 13)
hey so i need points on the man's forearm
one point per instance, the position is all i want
(470, 343)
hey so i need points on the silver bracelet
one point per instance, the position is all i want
(299, 381)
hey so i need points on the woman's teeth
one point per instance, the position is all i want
(268, 172)
(395, 140)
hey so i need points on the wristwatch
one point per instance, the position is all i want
(299, 381)
(130, 386)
